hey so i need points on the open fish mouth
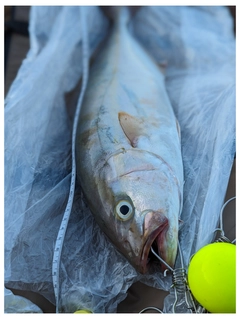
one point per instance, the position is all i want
(156, 242)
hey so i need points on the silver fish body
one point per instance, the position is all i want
(128, 151)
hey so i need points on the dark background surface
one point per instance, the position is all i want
(15, 50)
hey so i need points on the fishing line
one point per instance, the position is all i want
(162, 261)
(66, 215)
(222, 237)
(221, 213)
(151, 308)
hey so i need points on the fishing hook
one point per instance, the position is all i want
(162, 261)
(179, 282)
(179, 275)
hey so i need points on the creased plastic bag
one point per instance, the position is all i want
(18, 304)
(198, 45)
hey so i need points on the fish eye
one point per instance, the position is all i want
(124, 210)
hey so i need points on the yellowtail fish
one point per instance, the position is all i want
(128, 151)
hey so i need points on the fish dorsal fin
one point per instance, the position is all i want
(132, 127)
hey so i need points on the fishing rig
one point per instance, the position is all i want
(180, 285)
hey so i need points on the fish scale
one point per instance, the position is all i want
(128, 150)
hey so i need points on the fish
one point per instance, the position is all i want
(128, 150)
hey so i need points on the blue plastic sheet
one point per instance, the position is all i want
(197, 46)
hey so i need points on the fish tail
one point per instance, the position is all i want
(120, 15)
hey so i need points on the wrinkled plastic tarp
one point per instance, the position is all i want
(18, 304)
(198, 46)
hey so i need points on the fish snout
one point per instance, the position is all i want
(154, 220)
(156, 234)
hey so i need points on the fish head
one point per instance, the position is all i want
(140, 207)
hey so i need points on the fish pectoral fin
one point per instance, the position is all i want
(132, 127)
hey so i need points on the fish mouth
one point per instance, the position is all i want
(156, 241)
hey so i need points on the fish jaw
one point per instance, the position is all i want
(159, 235)
(156, 207)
